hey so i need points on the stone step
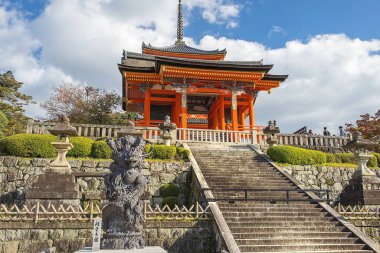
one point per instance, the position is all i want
(291, 205)
(271, 219)
(295, 241)
(293, 248)
(265, 235)
(285, 223)
(249, 213)
(235, 228)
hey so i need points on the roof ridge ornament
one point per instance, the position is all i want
(180, 40)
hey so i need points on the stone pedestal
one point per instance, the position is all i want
(54, 188)
(144, 250)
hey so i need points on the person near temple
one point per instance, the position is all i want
(326, 132)
(341, 132)
(310, 132)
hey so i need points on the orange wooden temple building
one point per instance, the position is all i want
(196, 88)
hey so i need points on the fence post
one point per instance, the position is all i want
(92, 210)
(37, 211)
(254, 136)
(197, 211)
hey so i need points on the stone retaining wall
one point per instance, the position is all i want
(18, 174)
(322, 177)
(176, 237)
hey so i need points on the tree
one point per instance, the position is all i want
(12, 102)
(3, 124)
(82, 104)
(368, 126)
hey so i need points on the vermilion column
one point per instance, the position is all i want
(234, 114)
(147, 107)
(183, 108)
(177, 109)
(251, 112)
(221, 114)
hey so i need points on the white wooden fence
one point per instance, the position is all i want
(195, 212)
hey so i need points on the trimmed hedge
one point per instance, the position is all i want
(161, 152)
(101, 150)
(183, 153)
(169, 190)
(330, 158)
(294, 155)
(377, 155)
(82, 147)
(29, 145)
(372, 162)
(170, 201)
(39, 145)
(344, 158)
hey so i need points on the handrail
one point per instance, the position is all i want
(287, 199)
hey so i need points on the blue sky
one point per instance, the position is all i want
(329, 48)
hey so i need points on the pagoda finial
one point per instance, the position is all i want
(180, 25)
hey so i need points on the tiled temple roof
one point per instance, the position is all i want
(184, 49)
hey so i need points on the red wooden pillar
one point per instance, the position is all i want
(183, 108)
(242, 118)
(234, 114)
(147, 107)
(221, 114)
(177, 109)
(251, 112)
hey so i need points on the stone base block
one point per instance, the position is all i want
(54, 186)
(144, 250)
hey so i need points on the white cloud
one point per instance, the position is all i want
(333, 79)
(217, 11)
(277, 29)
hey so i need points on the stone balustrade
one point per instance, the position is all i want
(256, 136)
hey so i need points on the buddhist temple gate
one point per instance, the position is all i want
(196, 88)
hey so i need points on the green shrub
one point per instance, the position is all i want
(148, 149)
(163, 152)
(169, 190)
(101, 150)
(372, 162)
(294, 155)
(82, 147)
(170, 201)
(344, 158)
(377, 155)
(318, 157)
(330, 158)
(183, 153)
(29, 145)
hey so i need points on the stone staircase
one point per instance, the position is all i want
(262, 225)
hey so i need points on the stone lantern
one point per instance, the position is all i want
(130, 129)
(167, 131)
(364, 186)
(62, 130)
(271, 131)
(57, 185)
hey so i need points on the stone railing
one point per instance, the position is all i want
(255, 136)
(93, 131)
(313, 141)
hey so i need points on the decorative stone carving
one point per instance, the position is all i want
(123, 215)
(271, 131)
(166, 131)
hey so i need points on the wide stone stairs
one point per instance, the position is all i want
(262, 225)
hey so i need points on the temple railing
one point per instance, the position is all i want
(219, 136)
(255, 136)
(92, 130)
(313, 141)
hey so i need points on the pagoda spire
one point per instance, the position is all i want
(180, 40)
